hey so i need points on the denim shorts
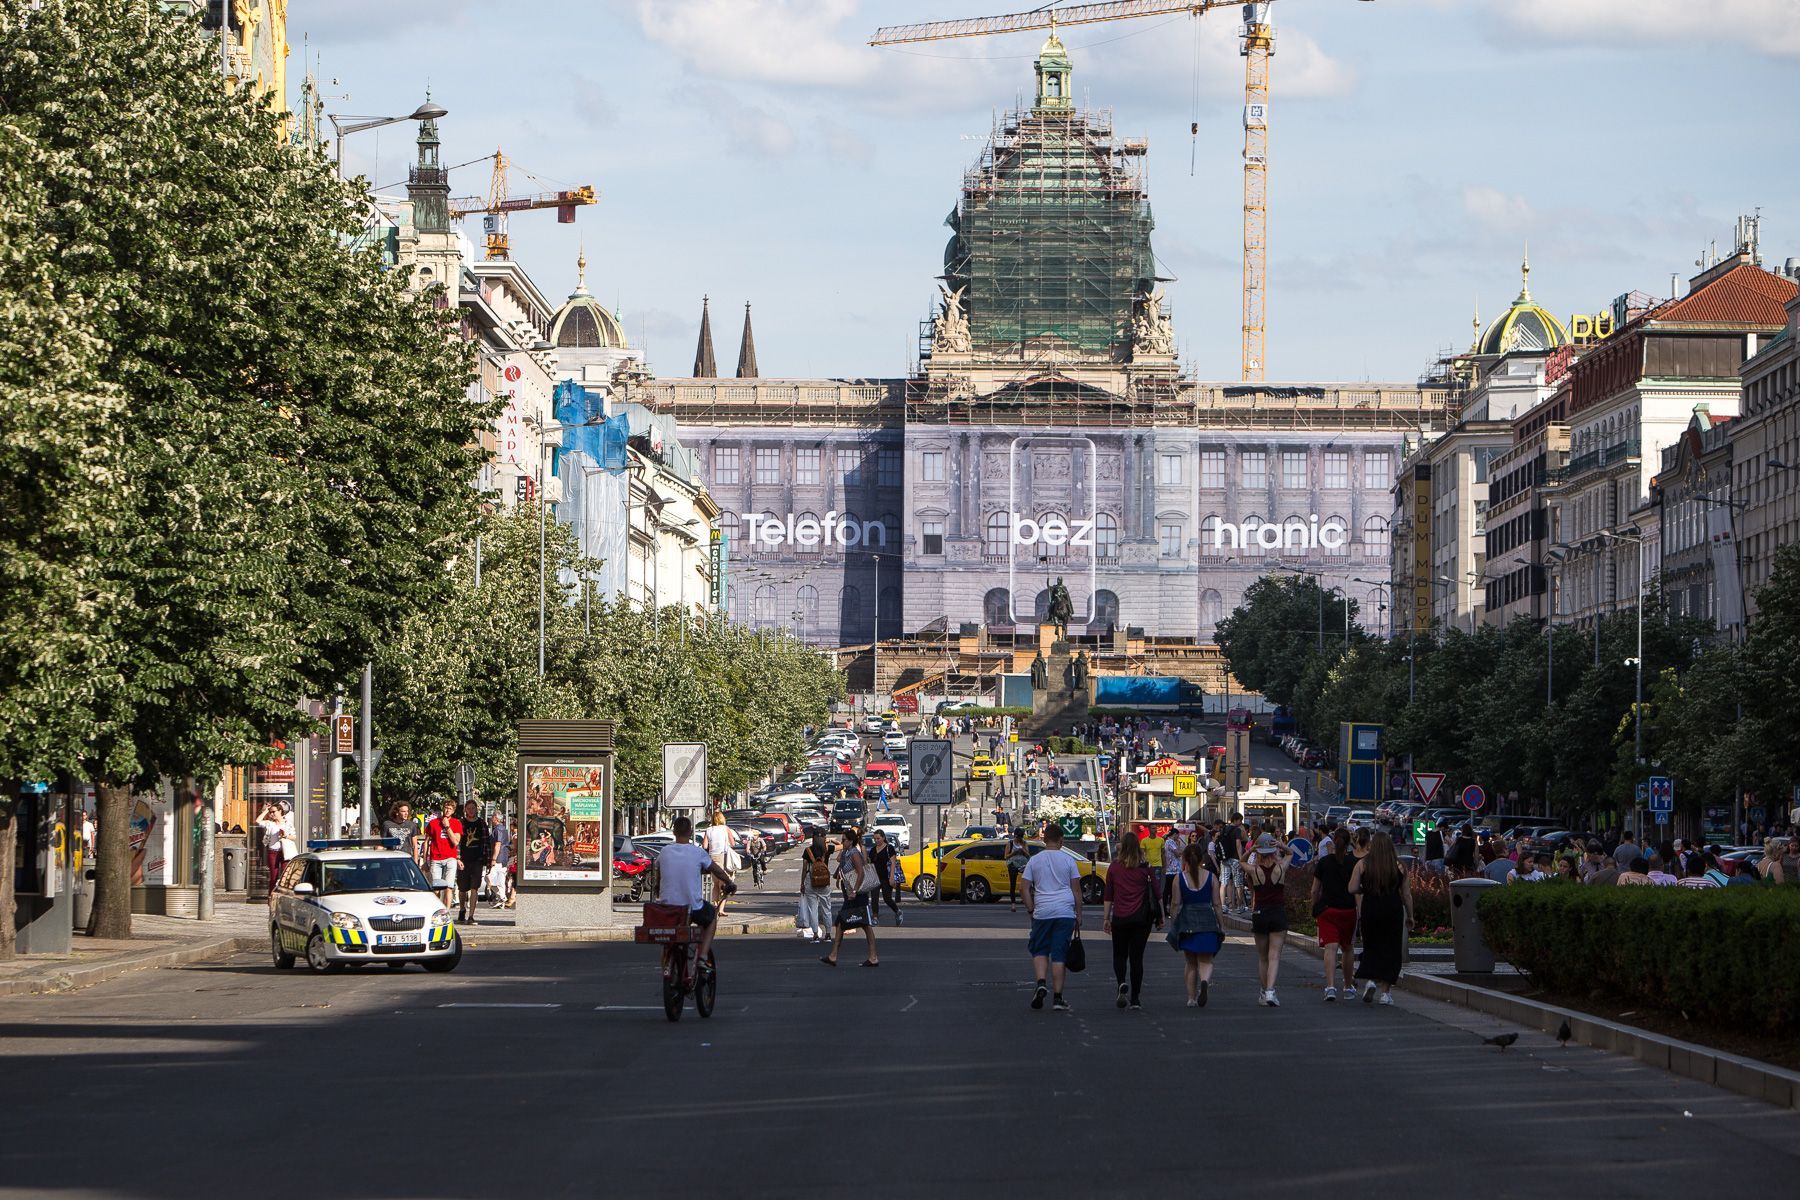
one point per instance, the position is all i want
(1050, 938)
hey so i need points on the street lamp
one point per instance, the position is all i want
(1637, 716)
(345, 124)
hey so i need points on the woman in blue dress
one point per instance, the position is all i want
(1195, 928)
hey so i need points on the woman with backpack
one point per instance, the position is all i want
(1195, 926)
(815, 889)
(1130, 910)
(860, 886)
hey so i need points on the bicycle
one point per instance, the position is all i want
(669, 926)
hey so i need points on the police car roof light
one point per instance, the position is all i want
(354, 844)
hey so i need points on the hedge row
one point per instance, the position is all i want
(1726, 956)
(1069, 745)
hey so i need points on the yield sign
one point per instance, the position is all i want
(1427, 784)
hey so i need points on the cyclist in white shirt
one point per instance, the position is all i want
(681, 871)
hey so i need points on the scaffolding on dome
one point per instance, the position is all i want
(1052, 237)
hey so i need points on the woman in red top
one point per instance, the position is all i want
(1130, 911)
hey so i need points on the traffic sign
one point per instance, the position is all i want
(684, 775)
(1473, 797)
(1071, 826)
(374, 760)
(932, 782)
(343, 734)
(1662, 794)
(1757, 813)
(1303, 851)
(1186, 785)
(1427, 783)
(465, 782)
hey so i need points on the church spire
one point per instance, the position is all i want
(747, 350)
(428, 183)
(705, 367)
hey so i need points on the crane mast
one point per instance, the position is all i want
(1256, 42)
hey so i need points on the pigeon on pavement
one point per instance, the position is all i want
(1503, 1041)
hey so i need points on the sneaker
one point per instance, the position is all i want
(1060, 1005)
(1274, 1002)
(1387, 998)
(1122, 1000)
(1262, 997)
(1193, 1004)
(803, 935)
(1037, 997)
(1369, 992)
(1135, 1006)
(1330, 993)
(1205, 987)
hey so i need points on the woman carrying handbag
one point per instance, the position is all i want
(1131, 909)
(1195, 927)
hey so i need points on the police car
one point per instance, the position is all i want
(359, 902)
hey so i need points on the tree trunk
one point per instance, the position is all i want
(9, 837)
(112, 860)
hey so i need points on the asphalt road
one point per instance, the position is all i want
(552, 1071)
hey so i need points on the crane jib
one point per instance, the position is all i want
(1080, 14)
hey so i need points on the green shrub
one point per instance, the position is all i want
(1069, 745)
(1726, 956)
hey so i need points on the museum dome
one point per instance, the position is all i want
(1526, 327)
(583, 323)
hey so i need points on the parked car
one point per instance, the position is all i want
(977, 872)
(846, 812)
(896, 828)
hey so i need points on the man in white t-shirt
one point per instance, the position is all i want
(681, 871)
(1052, 889)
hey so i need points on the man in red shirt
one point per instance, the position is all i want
(443, 841)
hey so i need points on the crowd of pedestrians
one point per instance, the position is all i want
(1605, 861)
(462, 855)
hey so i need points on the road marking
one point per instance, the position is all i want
(627, 1008)
(910, 1001)
(495, 1005)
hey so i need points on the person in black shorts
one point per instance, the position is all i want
(881, 857)
(477, 855)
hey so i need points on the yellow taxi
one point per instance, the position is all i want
(981, 767)
(976, 871)
(920, 869)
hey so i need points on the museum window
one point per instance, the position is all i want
(1378, 470)
(1293, 468)
(1168, 470)
(806, 466)
(818, 542)
(931, 537)
(1337, 468)
(1212, 468)
(768, 464)
(931, 466)
(850, 466)
(725, 465)
(1106, 538)
(1255, 468)
(728, 525)
(1044, 549)
(999, 535)
(887, 468)
(1172, 540)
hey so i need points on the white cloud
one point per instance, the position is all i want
(1767, 26)
(1496, 211)
(760, 41)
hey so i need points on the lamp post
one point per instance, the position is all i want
(1637, 716)
(345, 124)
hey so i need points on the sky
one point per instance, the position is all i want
(758, 151)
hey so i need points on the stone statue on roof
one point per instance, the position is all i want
(1151, 332)
(952, 325)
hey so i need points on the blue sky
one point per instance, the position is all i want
(757, 150)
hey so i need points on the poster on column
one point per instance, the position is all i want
(272, 796)
(565, 811)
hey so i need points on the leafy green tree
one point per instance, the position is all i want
(1282, 623)
(293, 474)
(1771, 664)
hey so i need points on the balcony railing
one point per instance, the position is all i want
(1596, 460)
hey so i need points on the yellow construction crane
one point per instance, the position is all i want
(1256, 42)
(498, 203)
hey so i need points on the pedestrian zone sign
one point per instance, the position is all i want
(1427, 783)
(931, 780)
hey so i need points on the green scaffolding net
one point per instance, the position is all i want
(1051, 237)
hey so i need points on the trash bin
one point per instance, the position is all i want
(1471, 949)
(84, 900)
(234, 868)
